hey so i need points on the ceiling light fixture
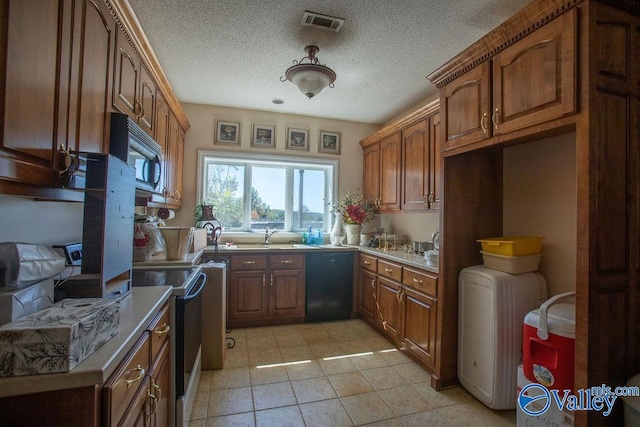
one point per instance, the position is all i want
(310, 77)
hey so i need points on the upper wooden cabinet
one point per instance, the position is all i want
(65, 66)
(402, 163)
(528, 83)
(134, 91)
(382, 174)
(421, 165)
(55, 92)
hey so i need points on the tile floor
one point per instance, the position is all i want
(333, 374)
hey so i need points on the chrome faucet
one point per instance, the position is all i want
(267, 235)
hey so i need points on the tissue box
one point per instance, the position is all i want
(15, 304)
(57, 338)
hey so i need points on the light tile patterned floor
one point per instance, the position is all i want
(328, 374)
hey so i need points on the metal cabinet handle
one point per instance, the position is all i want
(398, 294)
(417, 281)
(367, 263)
(373, 283)
(264, 280)
(164, 329)
(141, 372)
(484, 127)
(494, 118)
(402, 294)
(271, 284)
(286, 261)
(388, 270)
(248, 262)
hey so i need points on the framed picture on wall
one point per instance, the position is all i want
(297, 139)
(264, 136)
(227, 132)
(329, 142)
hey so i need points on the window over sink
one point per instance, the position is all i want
(250, 192)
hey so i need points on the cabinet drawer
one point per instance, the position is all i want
(293, 261)
(159, 330)
(390, 270)
(249, 262)
(368, 262)
(421, 281)
(126, 380)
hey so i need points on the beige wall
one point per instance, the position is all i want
(201, 135)
(540, 199)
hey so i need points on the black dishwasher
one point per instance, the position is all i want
(329, 285)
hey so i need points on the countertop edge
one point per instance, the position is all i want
(412, 260)
(136, 312)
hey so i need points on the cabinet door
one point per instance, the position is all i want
(248, 295)
(178, 170)
(147, 99)
(159, 390)
(30, 37)
(371, 175)
(415, 167)
(171, 160)
(91, 77)
(366, 302)
(435, 157)
(126, 78)
(390, 156)
(286, 293)
(534, 79)
(419, 332)
(465, 106)
(387, 296)
(161, 136)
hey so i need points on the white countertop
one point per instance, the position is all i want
(414, 260)
(136, 311)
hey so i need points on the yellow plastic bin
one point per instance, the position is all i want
(512, 245)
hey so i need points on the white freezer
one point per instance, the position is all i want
(491, 310)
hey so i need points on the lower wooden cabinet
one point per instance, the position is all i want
(401, 303)
(138, 392)
(266, 289)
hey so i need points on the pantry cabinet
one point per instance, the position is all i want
(530, 82)
(266, 289)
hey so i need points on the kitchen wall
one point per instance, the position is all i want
(201, 136)
(47, 223)
(540, 199)
(415, 226)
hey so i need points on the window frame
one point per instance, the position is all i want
(249, 160)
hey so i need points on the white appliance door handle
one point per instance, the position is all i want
(543, 327)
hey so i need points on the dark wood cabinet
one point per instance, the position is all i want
(371, 175)
(465, 105)
(389, 306)
(266, 289)
(528, 83)
(390, 156)
(401, 303)
(402, 163)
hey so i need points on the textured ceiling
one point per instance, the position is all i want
(233, 52)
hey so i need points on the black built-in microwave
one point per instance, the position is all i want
(131, 144)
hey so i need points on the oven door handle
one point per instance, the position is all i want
(195, 291)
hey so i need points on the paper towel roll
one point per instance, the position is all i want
(166, 213)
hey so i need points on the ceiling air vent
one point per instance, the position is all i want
(322, 21)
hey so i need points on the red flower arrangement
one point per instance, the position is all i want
(354, 209)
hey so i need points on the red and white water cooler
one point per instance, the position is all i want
(548, 343)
